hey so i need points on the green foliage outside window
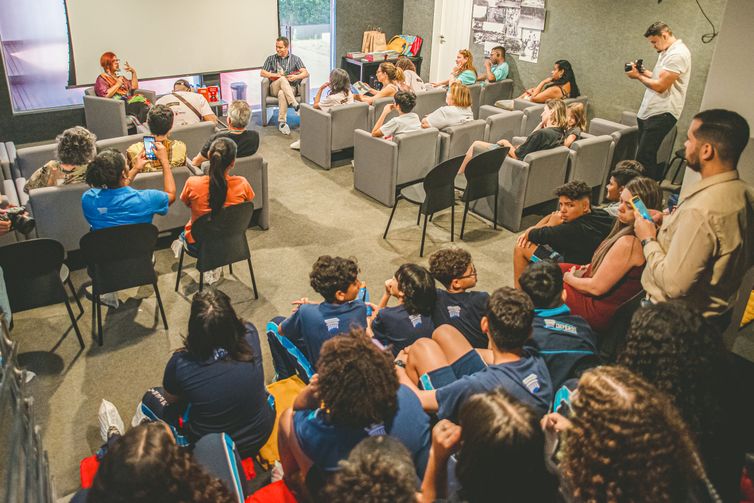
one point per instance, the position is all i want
(303, 12)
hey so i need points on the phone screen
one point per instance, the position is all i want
(149, 148)
(639, 206)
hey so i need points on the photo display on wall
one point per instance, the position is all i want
(517, 25)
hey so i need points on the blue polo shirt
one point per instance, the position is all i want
(464, 311)
(526, 379)
(566, 342)
(394, 327)
(326, 444)
(313, 324)
(105, 208)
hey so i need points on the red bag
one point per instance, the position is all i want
(87, 470)
(277, 492)
(417, 45)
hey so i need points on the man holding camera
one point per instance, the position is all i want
(665, 95)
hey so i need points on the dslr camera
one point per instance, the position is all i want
(19, 219)
(639, 66)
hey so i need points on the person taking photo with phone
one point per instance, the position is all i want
(160, 121)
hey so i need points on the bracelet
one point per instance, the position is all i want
(399, 363)
(645, 241)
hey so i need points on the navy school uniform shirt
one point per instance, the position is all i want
(526, 379)
(464, 311)
(326, 444)
(394, 327)
(566, 343)
(224, 396)
(313, 324)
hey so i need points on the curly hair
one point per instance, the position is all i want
(418, 289)
(146, 465)
(331, 275)
(406, 101)
(574, 190)
(627, 443)
(378, 470)
(106, 170)
(543, 283)
(357, 383)
(510, 313)
(448, 264)
(76, 146)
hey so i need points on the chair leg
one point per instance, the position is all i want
(159, 305)
(99, 319)
(201, 281)
(494, 222)
(463, 220)
(73, 322)
(424, 234)
(384, 236)
(430, 216)
(452, 222)
(230, 268)
(75, 297)
(180, 268)
(253, 281)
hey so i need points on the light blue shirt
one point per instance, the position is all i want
(105, 208)
(500, 71)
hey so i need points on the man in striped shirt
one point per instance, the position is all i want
(285, 72)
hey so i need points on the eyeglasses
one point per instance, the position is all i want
(472, 274)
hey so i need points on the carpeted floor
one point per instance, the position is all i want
(313, 212)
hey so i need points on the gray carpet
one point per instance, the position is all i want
(313, 212)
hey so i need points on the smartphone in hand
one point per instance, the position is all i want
(639, 206)
(149, 148)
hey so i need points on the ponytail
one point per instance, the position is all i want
(222, 153)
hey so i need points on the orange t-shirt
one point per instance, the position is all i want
(196, 196)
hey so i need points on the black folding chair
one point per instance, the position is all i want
(433, 193)
(481, 179)
(33, 277)
(221, 241)
(118, 258)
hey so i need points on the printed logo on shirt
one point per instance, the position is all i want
(532, 383)
(454, 311)
(332, 324)
(376, 430)
(416, 320)
(559, 326)
(102, 211)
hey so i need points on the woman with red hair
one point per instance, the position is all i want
(111, 85)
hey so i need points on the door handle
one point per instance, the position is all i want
(442, 39)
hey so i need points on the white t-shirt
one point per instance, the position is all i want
(676, 59)
(449, 116)
(183, 114)
(401, 124)
(414, 83)
(334, 99)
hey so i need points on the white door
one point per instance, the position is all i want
(451, 33)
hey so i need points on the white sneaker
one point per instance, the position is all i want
(276, 472)
(283, 127)
(109, 420)
(177, 246)
(296, 145)
(139, 417)
(213, 276)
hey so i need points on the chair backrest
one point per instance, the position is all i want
(429, 101)
(626, 139)
(105, 117)
(505, 124)
(194, 136)
(495, 91)
(532, 118)
(584, 100)
(482, 174)
(120, 143)
(417, 154)
(379, 105)
(456, 140)
(438, 185)
(547, 171)
(30, 159)
(252, 168)
(475, 90)
(120, 257)
(345, 120)
(31, 270)
(589, 160)
(89, 91)
(58, 213)
(222, 238)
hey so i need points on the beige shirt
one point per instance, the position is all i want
(705, 246)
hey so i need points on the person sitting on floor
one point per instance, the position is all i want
(575, 123)
(247, 140)
(446, 371)
(406, 121)
(570, 234)
(295, 342)
(624, 172)
(457, 111)
(455, 305)
(187, 106)
(399, 326)
(391, 79)
(355, 395)
(215, 382)
(75, 150)
(595, 291)
(565, 341)
(160, 121)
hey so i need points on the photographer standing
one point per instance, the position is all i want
(665, 95)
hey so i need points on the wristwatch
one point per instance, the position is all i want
(645, 241)
(400, 363)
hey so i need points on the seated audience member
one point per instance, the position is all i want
(449, 371)
(412, 81)
(625, 442)
(295, 342)
(670, 345)
(354, 395)
(188, 107)
(109, 84)
(575, 123)
(624, 172)
(457, 111)
(160, 121)
(399, 326)
(455, 305)
(406, 121)
(570, 234)
(391, 79)
(379, 469)
(75, 150)
(559, 85)
(286, 73)
(247, 140)
(215, 382)
(495, 68)
(145, 465)
(464, 71)
(498, 445)
(596, 291)
(549, 134)
(564, 340)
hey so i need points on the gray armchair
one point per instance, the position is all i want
(25, 161)
(626, 139)
(524, 184)
(501, 123)
(121, 143)
(301, 91)
(475, 90)
(194, 136)
(429, 101)
(456, 140)
(381, 166)
(106, 117)
(323, 133)
(589, 161)
(376, 108)
(493, 92)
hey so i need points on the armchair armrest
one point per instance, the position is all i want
(316, 135)
(265, 89)
(375, 166)
(628, 118)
